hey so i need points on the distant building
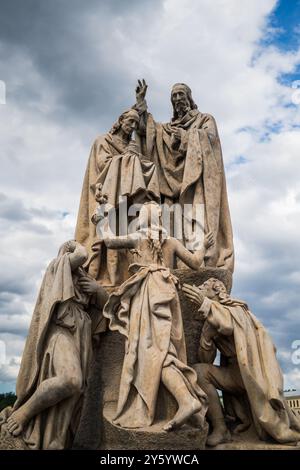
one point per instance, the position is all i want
(294, 402)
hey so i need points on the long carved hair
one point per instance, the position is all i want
(155, 243)
(118, 123)
(218, 286)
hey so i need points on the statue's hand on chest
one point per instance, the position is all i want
(178, 138)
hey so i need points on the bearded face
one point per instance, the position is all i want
(180, 101)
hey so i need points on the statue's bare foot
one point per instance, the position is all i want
(16, 422)
(218, 436)
(183, 414)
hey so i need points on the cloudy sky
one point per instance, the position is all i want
(70, 67)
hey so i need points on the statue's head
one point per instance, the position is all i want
(214, 289)
(150, 222)
(67, 247)
(150, 215)
(182, 101)
(128, 122)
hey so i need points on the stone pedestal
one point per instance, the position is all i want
(97, 431)
(8, 442)
(151, 438)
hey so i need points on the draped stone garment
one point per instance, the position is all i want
(127, 175)
(146, 310)
(259, 368)
(60, 325)
(194, 174)
(122, 174)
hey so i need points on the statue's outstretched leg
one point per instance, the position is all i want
(187, 404)
(66, 383)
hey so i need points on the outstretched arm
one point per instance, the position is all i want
(206, 349)
(117, 243)
(217, 315)
(193, 260)
(141, 105)
(140, 92)
(113, 241)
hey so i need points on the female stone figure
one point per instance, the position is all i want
(56, 358)
(146, 310)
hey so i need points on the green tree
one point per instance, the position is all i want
(7, 399)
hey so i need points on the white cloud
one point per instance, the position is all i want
(292, 379)
(9, 372)
(9, 367)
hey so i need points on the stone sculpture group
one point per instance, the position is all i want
(153, 209)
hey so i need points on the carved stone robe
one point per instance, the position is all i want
(122, 175)
(60, 325)
(146, 310)
(231, 328)
(193, 174)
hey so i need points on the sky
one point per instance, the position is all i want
(69, 68)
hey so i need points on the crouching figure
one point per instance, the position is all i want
(249, 375)
(56, 358)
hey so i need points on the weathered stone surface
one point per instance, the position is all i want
(195, 175)
(8, 442)
(89, 432)
(105, 374)
(115, 437)
(191, 320)
(58, 347)
(191, 139)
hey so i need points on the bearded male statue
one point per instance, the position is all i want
(188, 158)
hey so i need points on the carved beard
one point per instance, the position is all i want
(182, 107)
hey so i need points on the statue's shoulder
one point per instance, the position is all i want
(207, 120)
(101, 139)
(207, 116)
(102, 142)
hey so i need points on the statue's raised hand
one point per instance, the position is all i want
(140, 91)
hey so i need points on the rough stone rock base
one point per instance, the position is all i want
(9, 442)
(151, 438)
